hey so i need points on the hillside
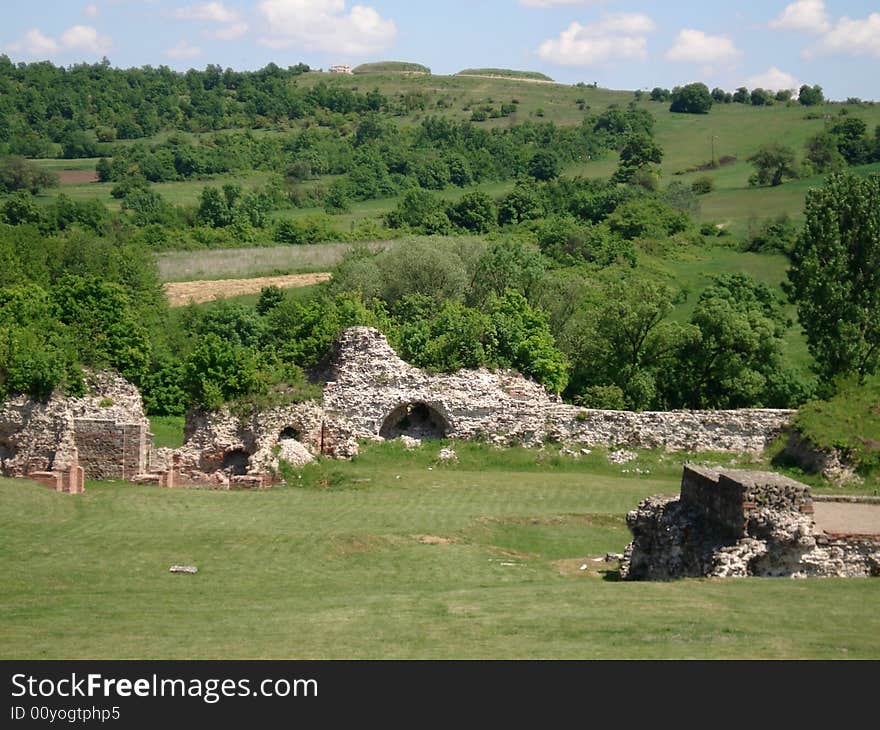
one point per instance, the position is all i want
(505, 73)
(391, 67)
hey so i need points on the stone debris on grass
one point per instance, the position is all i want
(447, 454)
(187, 569)
(409, 442)
(622, 456)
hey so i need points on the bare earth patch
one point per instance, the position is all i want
(183, 292)
(76, 177)
(847, 519)
(434, 540)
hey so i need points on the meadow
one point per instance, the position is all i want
(392, 556)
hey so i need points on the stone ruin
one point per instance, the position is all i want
(103, 434)
(369, 393)
(731, 523)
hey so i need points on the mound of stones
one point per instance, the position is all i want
(732, 523)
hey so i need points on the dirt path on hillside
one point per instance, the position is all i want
(182, 293)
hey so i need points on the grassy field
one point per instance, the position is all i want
(242, 263)
(398, 557)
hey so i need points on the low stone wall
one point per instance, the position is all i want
(728, 523)
(740, 431)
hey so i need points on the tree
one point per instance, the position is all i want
(639, 151)
(811, 95)
(823, 153)
(774, 163)
(691, 99)
(660, 94)
(734, 358)
(742, 96)
(544, 165)
(475, 212)
(625, 340)
(835, 275)
(761, 97)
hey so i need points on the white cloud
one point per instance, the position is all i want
(620, 36)
(773, 79)
(698, 47)
(806, 15)
(324, 25)
(91, 10)
(231, 21)
(214, 12)
(34, 44)
(183, 51)
(851, 38)
(558, 3)
(228, 32)
(85, 38)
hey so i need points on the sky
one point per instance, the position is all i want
(619, 44)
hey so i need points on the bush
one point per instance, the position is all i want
(691, 99)
(703, 185)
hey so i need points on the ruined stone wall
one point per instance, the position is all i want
(368, 383)
(107, 426)
(728, 523)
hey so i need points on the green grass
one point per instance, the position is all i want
(246, 263)
(505, 73)
(349, 572)
(390, 67)
(849, 421)
(167, 431)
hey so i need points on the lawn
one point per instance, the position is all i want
(391, 556)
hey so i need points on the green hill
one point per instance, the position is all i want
(505, 73)
(392, 67)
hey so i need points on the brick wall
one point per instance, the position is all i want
(111, 450)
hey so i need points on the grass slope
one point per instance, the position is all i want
(356, 571)
(391, 67)
(505, 73)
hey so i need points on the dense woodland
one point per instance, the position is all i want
(546, 277)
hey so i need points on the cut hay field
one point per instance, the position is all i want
(244, 263)
(391, 556)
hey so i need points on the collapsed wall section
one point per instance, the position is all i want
(731, 523)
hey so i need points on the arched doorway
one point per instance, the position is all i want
(236, 462)
(417, 420)
(289, 434)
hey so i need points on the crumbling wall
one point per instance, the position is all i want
(106, 426)
(369, 384)
(225, 449)
(728, 523)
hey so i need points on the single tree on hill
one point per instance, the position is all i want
(811, 95)
(691, 99)
(774, 163)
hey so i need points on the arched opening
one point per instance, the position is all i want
(289, 434)
(236, 462)
(417, 420)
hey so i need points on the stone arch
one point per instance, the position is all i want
(236, 461)
(416, 419)
(290, 434)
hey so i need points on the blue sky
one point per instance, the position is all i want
(624, 44)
